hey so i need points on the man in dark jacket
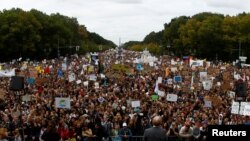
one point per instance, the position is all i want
(155, 133)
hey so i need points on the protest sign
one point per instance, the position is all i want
(135, 104)
(208, 104)
(72, 77)
(207, 85)
(78, 81)
(177, 79)
(161, 93)
(247, 110)
(62, 102)
(154, 97)
(231, 94)
(203, 76)
(86, 83)
(92, 77)
(173, 69)
(26, 98)
(172, 97)
(96, 85)
(235, 107)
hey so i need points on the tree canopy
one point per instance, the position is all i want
(35, 35)
(204, 35)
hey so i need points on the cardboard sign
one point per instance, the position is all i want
(172, 97)
(173, 69)
(26, 98)
(135, 104)
(62, 102)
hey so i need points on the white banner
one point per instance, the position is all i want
(7, 73)
(135, 104)
(62, 102)
(172, 97)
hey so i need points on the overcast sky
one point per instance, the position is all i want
(128, 19)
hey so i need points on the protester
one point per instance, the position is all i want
(121, 92)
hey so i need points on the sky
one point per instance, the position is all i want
(128, 20)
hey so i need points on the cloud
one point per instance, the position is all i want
(128, 19)
(123, 1)
(233, 4)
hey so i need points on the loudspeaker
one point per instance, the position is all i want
(241, 89)
(17, 83)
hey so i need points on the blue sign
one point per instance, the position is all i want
(177, 79)
(31, 80)
(139, 67)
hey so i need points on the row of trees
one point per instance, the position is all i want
(35, 35)
(204, 35)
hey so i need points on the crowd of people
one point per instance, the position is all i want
(100, 107)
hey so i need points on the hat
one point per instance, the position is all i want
(124, 124)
